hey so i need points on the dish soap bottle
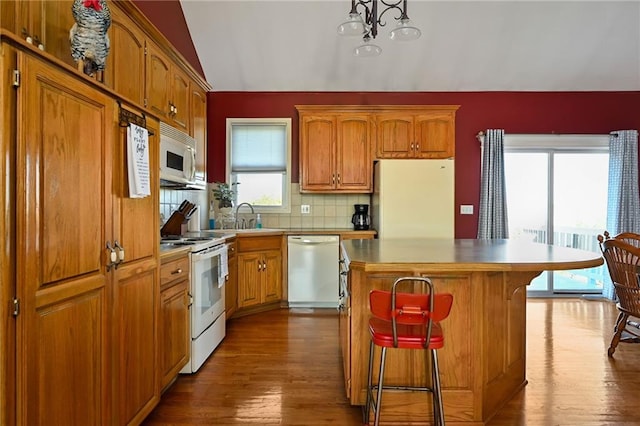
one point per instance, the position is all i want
(258, 221)
(212, 217)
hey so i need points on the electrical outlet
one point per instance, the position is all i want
(466, 209)
(305, 209)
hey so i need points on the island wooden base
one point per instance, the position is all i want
(482, 365)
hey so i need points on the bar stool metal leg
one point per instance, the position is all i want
(437, 391)
(367, 407)
(378, 402)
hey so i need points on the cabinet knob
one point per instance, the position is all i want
(176, 272)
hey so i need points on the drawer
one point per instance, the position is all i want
(245, 244)
(174, 270)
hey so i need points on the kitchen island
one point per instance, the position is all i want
(483, 362)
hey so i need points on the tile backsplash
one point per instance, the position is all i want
(326, 210)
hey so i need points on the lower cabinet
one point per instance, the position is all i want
(259, 270)
(174, 330)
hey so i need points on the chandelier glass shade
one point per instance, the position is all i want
(363, 20)
(367, 49)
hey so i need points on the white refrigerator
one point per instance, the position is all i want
(413, 199)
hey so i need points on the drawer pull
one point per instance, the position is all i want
(177, 271)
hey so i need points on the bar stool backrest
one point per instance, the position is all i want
(410, 308)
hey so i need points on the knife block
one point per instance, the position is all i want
(173, 226)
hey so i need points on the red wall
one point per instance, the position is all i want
(168, 17)
(516, 112)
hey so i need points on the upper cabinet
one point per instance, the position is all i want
(419, 133)
(335, 151)
(167, 89)
(199, 130)
(125, 68)
(338, 143)
(45, 24)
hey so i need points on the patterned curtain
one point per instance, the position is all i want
(492, 215)
(623, 201)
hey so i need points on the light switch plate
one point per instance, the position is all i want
(305, 209)
(466, 209)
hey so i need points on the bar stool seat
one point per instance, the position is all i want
(407, 321)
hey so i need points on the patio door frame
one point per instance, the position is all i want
(552, 144)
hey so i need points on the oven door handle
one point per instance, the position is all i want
(204, 256)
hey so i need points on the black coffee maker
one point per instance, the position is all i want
(360, 218)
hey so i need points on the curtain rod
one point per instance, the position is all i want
(480, 135)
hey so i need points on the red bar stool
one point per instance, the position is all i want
(407, 321)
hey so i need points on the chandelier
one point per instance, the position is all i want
(363, 20)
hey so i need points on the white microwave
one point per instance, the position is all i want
(177, 157)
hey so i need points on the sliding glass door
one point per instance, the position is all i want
(559, 197)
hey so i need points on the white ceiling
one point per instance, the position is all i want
(292, 45)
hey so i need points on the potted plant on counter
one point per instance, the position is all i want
(224, 193)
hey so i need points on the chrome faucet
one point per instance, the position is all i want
(243, 221)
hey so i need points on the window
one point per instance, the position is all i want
(259, 162)
(557, 194)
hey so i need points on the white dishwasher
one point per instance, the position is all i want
(313, 276)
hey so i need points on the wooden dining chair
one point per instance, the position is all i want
(623, 262)
(628, 237)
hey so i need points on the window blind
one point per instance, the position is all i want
(258, 148)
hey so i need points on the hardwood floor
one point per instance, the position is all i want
(283, 367)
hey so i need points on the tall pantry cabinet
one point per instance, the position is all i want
(86, 337)
(63, 167)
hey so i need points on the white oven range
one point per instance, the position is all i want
(209, 270)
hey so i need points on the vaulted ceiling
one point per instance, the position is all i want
(266, 45)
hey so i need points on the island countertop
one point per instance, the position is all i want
(467, 255)
(483, 362)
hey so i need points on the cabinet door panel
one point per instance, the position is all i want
(317, 153)
(136, 217)
(180, 99)
(158, 81)
(64, 171)
(199, 130)
(272, 272)
(65, 379)
(434, 136)
(136, 292)
(249, 279)
(125, 69)
(354, 162)
(174, 326)
(57, 21)
(45, 22)
(394, 136)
